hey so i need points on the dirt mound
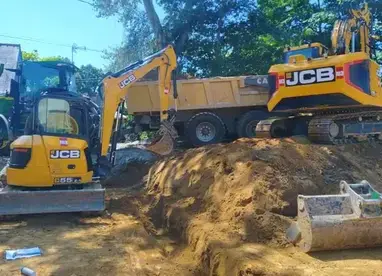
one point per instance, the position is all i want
(132, 165)
(221, 197)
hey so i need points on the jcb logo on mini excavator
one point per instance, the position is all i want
(127, 81)
(311, 76)
(64, 154)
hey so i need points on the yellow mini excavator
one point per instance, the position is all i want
(331, 95)
(51, 167)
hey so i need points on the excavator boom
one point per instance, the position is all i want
(345, 32)
(116, 87)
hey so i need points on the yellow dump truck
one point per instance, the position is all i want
(208, 110)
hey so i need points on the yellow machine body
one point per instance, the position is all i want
(51, 163)
(326, 82)
(313, 77)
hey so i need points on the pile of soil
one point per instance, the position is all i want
(132, 165)
(221, 199)
(215, 210)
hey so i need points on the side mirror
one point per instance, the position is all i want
(17, 71)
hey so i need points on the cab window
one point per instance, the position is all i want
(313, 52)
(56, 116)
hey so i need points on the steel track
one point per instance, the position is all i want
(319, 126)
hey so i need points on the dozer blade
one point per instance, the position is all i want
(164, 142)
(14, 201)
(352, 219)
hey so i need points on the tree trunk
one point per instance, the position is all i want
(155, 23)
(183, 32)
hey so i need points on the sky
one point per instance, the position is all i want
(59, 22)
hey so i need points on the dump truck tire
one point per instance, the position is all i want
(5, 151)
(246, 126)
(205, 128)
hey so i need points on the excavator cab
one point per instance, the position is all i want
(55, 145)
(307, 51)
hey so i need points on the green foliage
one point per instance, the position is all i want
(32, 56)
(55, 58)
(35, 56)
(51, 82)
(226, 37)
(145, 135)
(88, 78)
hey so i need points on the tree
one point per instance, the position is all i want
(88, 78)
(226, 37)
(35, 56)
(137, 44)
(32, 56)
(185, 20)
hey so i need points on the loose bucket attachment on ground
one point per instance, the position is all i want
(14, 201)
(352, 219)
(164, 143)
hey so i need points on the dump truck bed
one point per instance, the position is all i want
(210, 93)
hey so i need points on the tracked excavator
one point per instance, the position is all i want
(55, 166)
(330, 95)
(333, 96)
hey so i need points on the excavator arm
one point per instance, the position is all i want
(116, 88)
(344, 32)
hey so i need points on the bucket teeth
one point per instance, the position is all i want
(164, 143)
(351, 219)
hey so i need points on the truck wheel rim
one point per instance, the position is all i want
(250, 130)
(205, 132)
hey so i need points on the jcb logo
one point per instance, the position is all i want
(318, 75)
(64, 154)
(127, 81)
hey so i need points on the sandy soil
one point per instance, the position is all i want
(218, 210)
(74, 244)
(232, 203)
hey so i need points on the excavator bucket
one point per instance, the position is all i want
(164, 142)
(15, 201)
(351, 219)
